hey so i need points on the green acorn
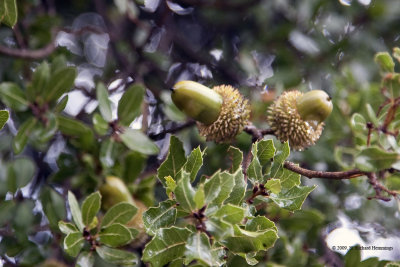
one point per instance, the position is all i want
(299, 117)
(197, 101)
(114, 191)
(221, 113)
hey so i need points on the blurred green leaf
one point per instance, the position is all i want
(174, 161)
(375, 159)
(159, 217)
(75, 211)
(392, 182)
(61, 81)
(40, 78)
(254, 171)
(170, 110)
(90, 207)
(194, 163)
(108, 153)
(230, 213)
(12, 95)
(145, 189)
(104, 102)
(61, 104)
(24, 131)
(115, 235)
(344, 156)
(67, 228)
(168, 244)
(6, 211)
(239, 189)
(265, 151)
(101, 126)
(396, 53)
(212, 187)
(129, 107)
(250, 240)
(260, 223)
(218, 228)
(85, 259)
(274, 185)
(184, 193)
(293, 198)
(371, 114)
(280, 156)
(9, 12)
(138, 141)
(198, 248)
(385, 61)
(353, 257)
(4, 116)
(199, 196)
(73, 243)
(75, 128)
(227, 183)
(218, 188)
(117, 256)
(120, 213)
(170, 185)
(19, 173)
(134, 164)
(43, 133)
(358, 123)
(237, 157)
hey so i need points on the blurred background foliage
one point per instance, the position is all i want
(262, 47)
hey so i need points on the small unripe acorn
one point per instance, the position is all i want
(221, 113)
(315, 105)
(299, 117)
(197, 101)
(114, 191)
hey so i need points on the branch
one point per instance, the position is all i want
(256, 133)
(379, 188)
(178, 128)
(28, 54)
(327, 175)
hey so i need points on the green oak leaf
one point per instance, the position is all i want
(168, 244)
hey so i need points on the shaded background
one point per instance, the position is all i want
(260, 47)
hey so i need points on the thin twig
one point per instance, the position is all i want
(256, 133)
(373, 180)
(27, 53)
(178, 128)
(326, 175)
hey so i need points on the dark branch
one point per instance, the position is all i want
(256, 133)
(326, 175)
(178, 128)
(379, 188)
(28, 54)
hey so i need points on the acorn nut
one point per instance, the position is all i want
(315, 105)
(221, 113)
(197, 101)
(114, 191)
(299, 117)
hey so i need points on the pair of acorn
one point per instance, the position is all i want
(222, 113)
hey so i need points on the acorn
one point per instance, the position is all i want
(114, 191)
(298, 117)
(221, 112)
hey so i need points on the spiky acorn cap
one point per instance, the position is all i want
(234, 115)
(298, 117)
